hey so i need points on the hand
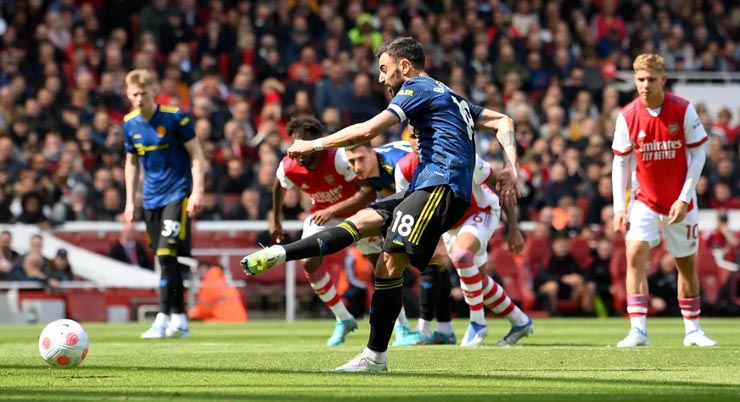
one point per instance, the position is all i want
(322, 217)
(572, 280)
(620, 222)
(677, 212)
(195, 203)
(129, 213)
(507, 186)
(276, 232)
(300, 147)
(515, 241)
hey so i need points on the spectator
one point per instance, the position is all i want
(663, 285)
(8, 256)
(563, 279)
(129, 250)
(248, 207)
(600, 274)
(59, 267)
(236, 180)
(31, 268)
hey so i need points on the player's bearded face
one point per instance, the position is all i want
(390, 73)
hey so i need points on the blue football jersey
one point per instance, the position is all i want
(388, 157)
(443, 122)
(159, 143)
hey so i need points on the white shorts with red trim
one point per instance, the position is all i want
(682, 238)
(482, 225)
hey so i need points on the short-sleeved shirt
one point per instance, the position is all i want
(160, 144)
(333, 181)
(660, 139)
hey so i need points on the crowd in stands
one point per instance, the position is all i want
(243, 68)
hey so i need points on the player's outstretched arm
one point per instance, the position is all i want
(503, 125)
(351, 135)
(130, 173)
(198, 168)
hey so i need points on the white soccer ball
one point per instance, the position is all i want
(63, 343)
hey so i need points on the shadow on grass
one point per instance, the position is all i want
(501, 375)
(244, 393)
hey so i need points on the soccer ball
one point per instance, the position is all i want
(63, 343)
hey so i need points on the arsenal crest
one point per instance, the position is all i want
(673, 128)
(161, 131)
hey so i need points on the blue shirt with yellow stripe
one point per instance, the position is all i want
(388, 157)
(160, 144)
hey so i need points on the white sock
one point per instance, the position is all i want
(280, 253)
(161, 321)
(402, 320)
(377, 357)
(517, 317)
(178, 320)
(639, 322)
(445, 328)
(424, 327)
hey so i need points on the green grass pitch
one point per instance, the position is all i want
(565, 360)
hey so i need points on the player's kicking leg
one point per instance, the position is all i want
(364, 223)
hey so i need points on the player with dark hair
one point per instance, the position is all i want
(162, 140)
(436, 199)
(336, 193)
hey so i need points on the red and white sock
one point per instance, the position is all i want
(471, 284)
(637, 308)
(324, 287)
(690, 310)
(496, 300)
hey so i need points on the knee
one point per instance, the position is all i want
(367, 221)
(393, 266)
(550, 288)
(462, 258)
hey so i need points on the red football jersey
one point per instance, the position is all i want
(660, 143)
(332, 182)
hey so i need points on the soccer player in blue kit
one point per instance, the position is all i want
(436, 199)
(161, 139)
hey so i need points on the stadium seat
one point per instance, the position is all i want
(618, 289)
(580, 249)
(86, 305)
(515, 279)
(710, 276)
(536, 254)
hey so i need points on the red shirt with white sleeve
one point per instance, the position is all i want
(333, 181)
(660, 139)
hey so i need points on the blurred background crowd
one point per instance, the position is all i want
(243, 68)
